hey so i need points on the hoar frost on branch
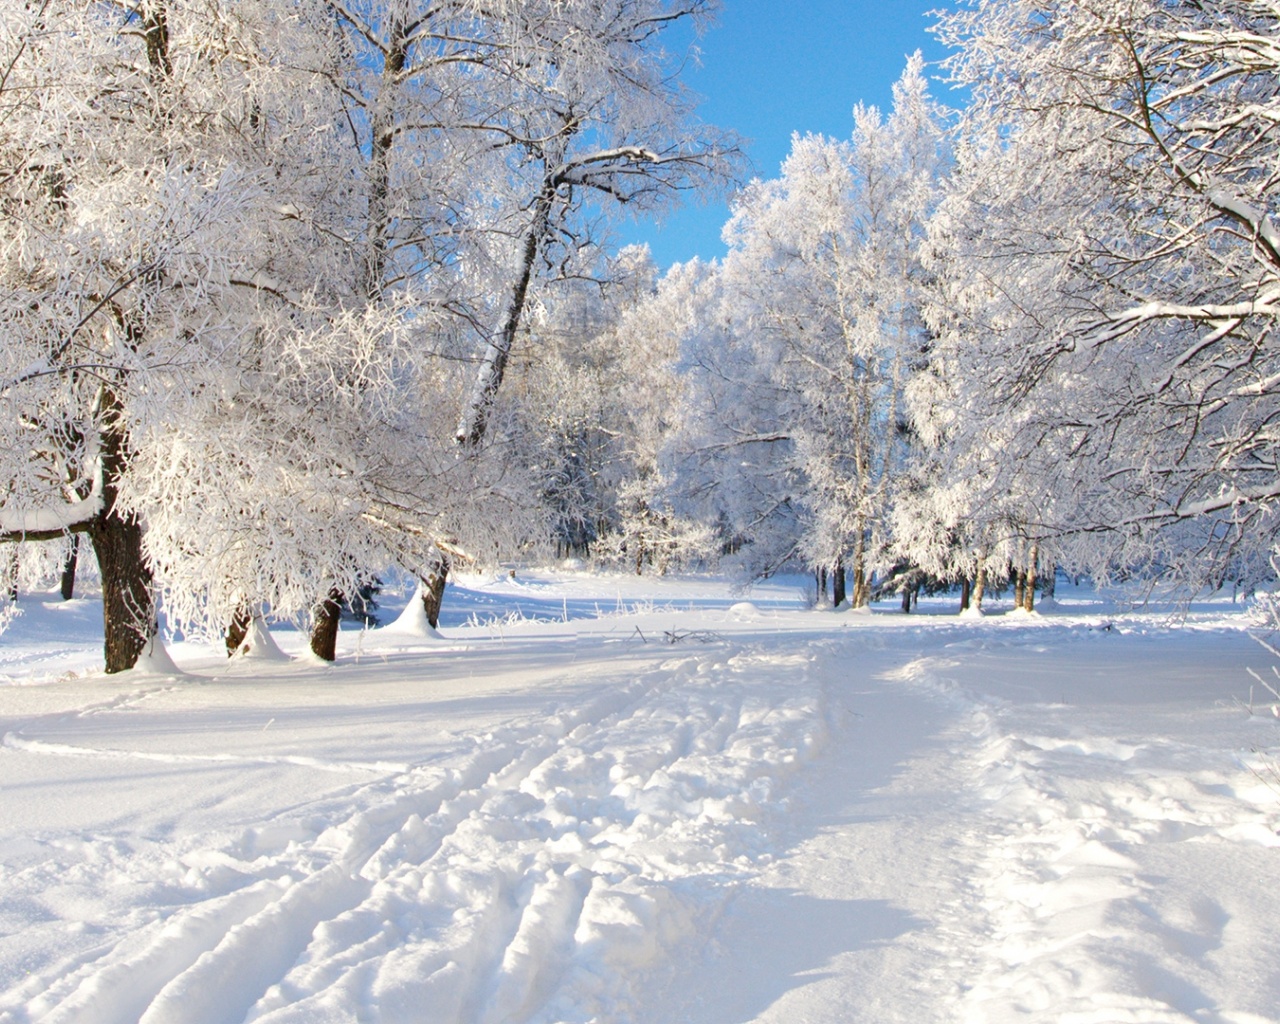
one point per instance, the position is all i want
(800, 366)
(245, 248)
(1106, 366)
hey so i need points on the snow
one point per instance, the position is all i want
(602, 798)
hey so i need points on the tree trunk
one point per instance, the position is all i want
(838, 596)
(324, 628)
(966, 587)
(820, 575)
(1050, 587)
(68, 582)
(1019, 587)
(11, 583)
(382, 136)
(475, 417)
(128, 608)
(1029, 596)
(238, 629)
(861, 596)
(906, 599)
(979, 588)
(433, 589)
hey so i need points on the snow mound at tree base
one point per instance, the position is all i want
(155, 661)
(413, 621)
(259, 645)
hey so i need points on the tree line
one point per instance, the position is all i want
(966, 347)
(293, 292)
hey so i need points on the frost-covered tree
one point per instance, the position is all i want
(821, 285)
(595, 119)
(1110, 275)
(245, 246)
(131, 198)
(598, 394)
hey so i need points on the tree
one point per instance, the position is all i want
(597, 115)
(821, 283)
(125, 216)
(1111, 262)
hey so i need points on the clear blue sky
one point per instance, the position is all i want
(773, 67)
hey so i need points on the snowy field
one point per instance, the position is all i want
(554, 813)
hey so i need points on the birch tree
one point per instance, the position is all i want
(821, 282)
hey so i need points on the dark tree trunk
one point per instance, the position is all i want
(128, 606)
(475, 417)
(11, 581)
(128, 609)
(68, 582)
(966, 587)
(838, 595)
(906, 599)
(324, 628)
(238, 629)
(433, 589)
(820, 576)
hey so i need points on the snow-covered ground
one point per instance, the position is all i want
(555, 813)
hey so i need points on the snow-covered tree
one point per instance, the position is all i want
(132, 200)
(1110, 273)
(821, 286)
(597, 119)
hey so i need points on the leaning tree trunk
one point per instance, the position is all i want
(324, 627)
(475, 416)
(433, 584)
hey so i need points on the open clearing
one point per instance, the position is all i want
(554, 813)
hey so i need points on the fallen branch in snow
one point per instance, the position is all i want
(699, 636)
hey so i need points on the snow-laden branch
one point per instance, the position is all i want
(1120, 324)
(52, 523)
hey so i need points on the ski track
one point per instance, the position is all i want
(543, 876)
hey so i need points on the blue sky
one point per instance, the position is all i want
(773, 67)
